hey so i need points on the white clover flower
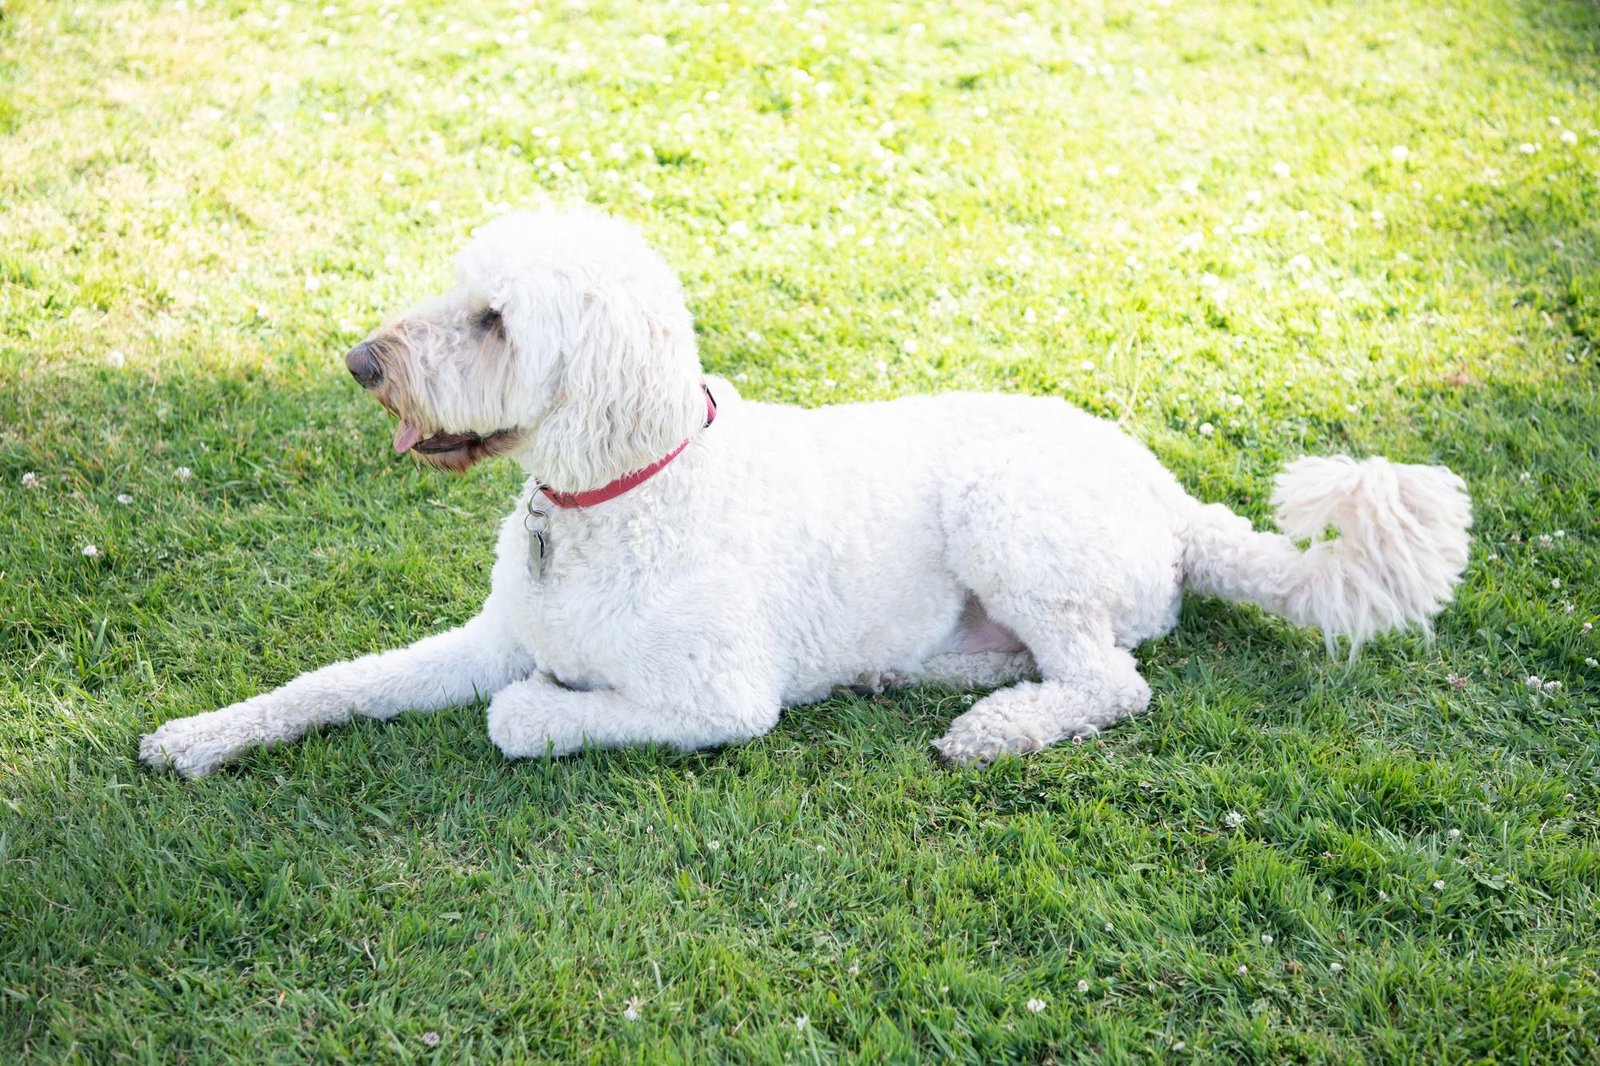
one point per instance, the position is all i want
(1233, 819)
(91, 552)
(1555, 582)
(738, 230)
(854, 970)
(1586, 627)
(1335, 967)
(1591, 661)
(124, 499)
(1569, 138)
(801, 1022)
(1035, 1006)
(183, 474)
(1454, 834)
(1083, 986)
(1383, 897)
(1280, 170)
(1527, 148)
(1242, 970)
(1300, 262)
(713, 845)
(115, 359)
(431, 1038)
(1552, 686)
(1533, 682)
(630, 1010)
(1438, 886)
(30, 480)
(1266, 938)
(1108, 927)
(1206, 429)
(1399, 153)
(1086, 366)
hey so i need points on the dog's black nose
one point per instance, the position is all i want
(364, 366)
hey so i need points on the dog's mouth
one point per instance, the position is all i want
(451, 451)
(408, 438)
(440, 443)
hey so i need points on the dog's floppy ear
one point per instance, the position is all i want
(535, 305)
(627, 382)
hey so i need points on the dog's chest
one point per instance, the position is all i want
(588, 593)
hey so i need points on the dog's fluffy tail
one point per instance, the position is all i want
(1399, 550)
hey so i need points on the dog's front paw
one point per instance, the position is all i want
(523, 730)
(195, 746)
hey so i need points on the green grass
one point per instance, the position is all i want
(201, 206)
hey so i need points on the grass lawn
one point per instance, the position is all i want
(1249, 231)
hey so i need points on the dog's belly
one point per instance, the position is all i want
(980, 633)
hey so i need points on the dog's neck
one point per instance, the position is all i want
(627, 482)
(582, 448)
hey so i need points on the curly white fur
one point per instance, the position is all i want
(979, 540)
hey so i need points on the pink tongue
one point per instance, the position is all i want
(406, 437)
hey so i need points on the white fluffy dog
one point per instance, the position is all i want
(677, 572)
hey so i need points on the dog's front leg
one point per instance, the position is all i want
(445, 670)
(540, 717)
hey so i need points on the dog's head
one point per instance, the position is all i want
(565, 344)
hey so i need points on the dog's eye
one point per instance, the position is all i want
(489, 320)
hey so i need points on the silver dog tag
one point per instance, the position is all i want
(538, 546)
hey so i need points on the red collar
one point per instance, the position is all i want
(616, 488)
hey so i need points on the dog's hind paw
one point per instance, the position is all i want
(1030, 717)
(978, 740)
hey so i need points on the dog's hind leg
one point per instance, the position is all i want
(445, 670)
(1077, 560)
(961, 670)
(1088, 683)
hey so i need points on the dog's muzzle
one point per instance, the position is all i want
(363, 365)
